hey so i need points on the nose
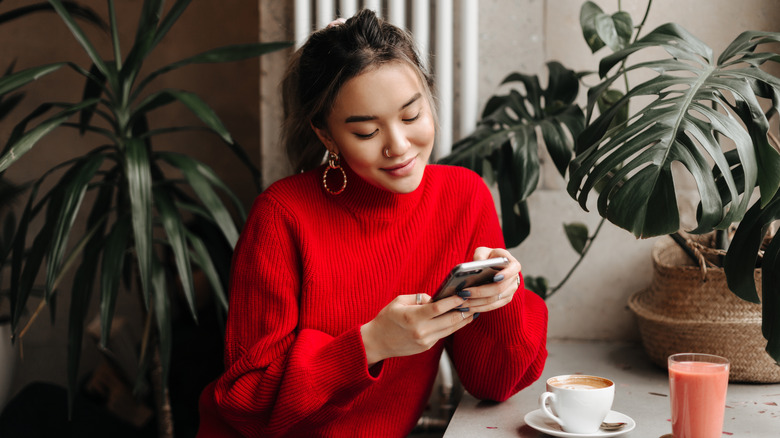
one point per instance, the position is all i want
(397, 141)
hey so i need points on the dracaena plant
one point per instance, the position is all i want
(142, 192)
(11, 95)
(690, 110)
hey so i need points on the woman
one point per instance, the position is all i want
(331, 329)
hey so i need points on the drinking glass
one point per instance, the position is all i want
(697, 384)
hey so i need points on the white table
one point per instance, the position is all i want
(641, 392)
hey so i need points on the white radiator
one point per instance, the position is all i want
(445, 53)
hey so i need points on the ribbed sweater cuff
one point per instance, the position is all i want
(341, 368)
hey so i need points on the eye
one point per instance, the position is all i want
(366, 136)
(412, 119)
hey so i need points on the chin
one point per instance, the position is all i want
(402, 187)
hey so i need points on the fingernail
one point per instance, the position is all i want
(460, 286)
(462, 309)
(476, 315)
(464, 294)
(498, 277)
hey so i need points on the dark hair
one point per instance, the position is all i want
(328, 59)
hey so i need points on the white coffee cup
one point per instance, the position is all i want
(579, 403)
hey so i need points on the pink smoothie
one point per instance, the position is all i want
(698, 393)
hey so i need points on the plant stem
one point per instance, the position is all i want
(682, 244)
(636, 38)
(582, 256)
(162, 399)
(644, 20)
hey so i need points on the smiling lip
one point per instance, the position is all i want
(402, 169)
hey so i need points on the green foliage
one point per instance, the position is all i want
(600, 29)
(504, 147)
(577, 233)
(692, 102)
(681, 124)
(140, 210)
(537, 285)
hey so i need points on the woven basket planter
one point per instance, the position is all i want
(688, 309)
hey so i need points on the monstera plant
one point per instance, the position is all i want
(710, 114)
(143, 194)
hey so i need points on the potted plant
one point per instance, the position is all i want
(683, 113)
(144, 194)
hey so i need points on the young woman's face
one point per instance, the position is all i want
(381, 124)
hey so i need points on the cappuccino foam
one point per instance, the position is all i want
(580, 382)
(577, 386)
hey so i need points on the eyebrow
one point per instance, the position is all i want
(353, 119)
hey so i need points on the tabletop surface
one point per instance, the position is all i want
(641, 392)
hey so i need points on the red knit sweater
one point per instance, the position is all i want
(311, 268)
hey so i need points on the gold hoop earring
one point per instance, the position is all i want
(334, 162)
(386, 151)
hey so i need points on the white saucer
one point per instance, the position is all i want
(540, 422)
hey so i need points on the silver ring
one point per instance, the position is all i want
(386, 151)
(418, 299)
(518, 280)
(499, 297)
(463, 314)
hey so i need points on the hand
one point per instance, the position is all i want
(498, 294)
(404, 328)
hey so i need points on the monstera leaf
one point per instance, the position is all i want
(694, 101)
(740, 262)
(504, 147)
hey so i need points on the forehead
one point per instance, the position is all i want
(379, 91)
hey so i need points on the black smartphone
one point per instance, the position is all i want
(470, 274)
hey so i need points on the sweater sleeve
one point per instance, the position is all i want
(277, 376)
(504, 350)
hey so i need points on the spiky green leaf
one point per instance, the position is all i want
(139, 190)
(17, 80)
(232, 53)
(74, 188)
(78, 33)
(201, 178)
(23, 145)
(114, 257)
(175, 231)
(201, 256)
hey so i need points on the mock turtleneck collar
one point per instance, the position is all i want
(364, 198)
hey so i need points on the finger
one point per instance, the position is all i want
(482, 253)
(493, 295)
(411, 299)
(437, 308)
(512, 268)
(453, 321)
(491, 303)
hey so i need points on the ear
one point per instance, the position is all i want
(325, 138)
